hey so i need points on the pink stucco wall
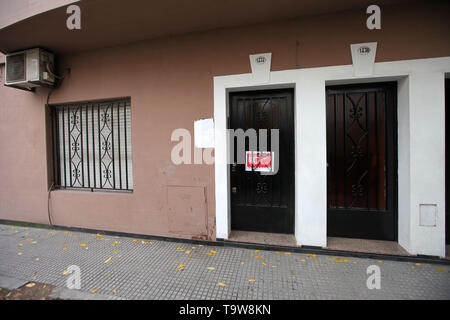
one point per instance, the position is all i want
(170, 82)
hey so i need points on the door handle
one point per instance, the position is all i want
(234, 189)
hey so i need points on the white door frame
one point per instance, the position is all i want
(421, 146)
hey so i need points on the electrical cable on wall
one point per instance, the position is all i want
(57, 85)
(49, 70)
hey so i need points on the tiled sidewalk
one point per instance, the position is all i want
(122, 267)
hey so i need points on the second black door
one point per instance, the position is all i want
(362, 157)
(264, 203)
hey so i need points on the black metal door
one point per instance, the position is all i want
(362, 161)
(263, 203)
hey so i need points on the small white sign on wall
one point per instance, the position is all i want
(260, 64)
(204, 133)
(363, 57)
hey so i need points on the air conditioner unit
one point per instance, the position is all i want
(28, 69)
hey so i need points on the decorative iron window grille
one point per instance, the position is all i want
(92, 145)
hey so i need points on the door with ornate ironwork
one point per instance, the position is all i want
(259, 201)
(362, 161)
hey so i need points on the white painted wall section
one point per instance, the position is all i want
(311, 165)
(404, 168)
(427, 159)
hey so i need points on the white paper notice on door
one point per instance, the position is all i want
(204, 133)
(260, 161)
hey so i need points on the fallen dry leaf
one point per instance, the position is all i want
(211, 268)
(251, 280)
(30, 285)
(108, 260)
(221, 284)
(83, 244)
(94, 291)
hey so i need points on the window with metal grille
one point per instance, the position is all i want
(92, 145)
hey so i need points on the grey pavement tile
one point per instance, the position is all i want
(127, 268)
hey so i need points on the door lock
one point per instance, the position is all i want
(234, 189)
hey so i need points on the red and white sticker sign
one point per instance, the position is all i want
(261, 161)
